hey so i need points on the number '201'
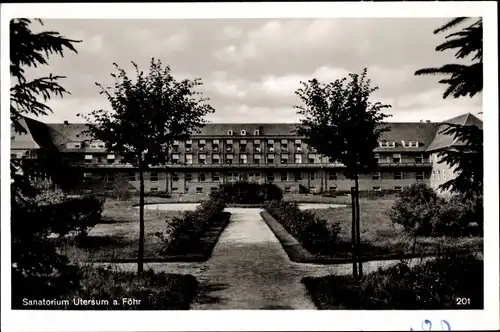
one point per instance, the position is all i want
(463, 301)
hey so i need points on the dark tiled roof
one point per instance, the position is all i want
(442, 141)
(36, 136)
(423, 132)
(58, 134)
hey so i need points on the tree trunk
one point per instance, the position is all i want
(140, 258)
(353, 236)
(358, 229)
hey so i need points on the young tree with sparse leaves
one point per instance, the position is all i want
(464, 80)
(147, 116)
(341, 122)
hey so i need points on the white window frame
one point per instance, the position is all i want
(243, 132)
(189, 161)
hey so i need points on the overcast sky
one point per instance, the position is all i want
(250, 68)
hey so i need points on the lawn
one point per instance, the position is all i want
(116, 237)
(380, 237)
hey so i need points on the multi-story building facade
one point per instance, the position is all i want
(271, 152)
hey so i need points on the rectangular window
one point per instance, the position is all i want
(270, 176)
(398, 176)
(297, 176)
(87, 175)
(188, 177)
(131, 176)
(420, 175)
(232, 177)
(284, 158)
(312, 190)
(396, 158)
(153, 177)
(298, 145)
(199, 190)
(243, 177)
(311, 158)
(243, 159)
(189, 159)
(377, 188)
(332, 176)
(175, 189)
(333, 188)
(419, 159)
(189, 146)
(229, 159)
(215, 177)
(216, 159)
(214, 189)
(175, 177)
(202, 158)
(298, 159)
(270, 145)
(312, 176)
(254, 176)
(175, 148)
(377, 158)
(376, 176)
(270, 158)
(111, 158)
(202, 145)
(256, 158)
(215, 145)
(88, 159)
(284, 176)
(202, 177)
(110, 177)
(229, 145)
(398, 188)
(284, 145)
(243, 145)
(153, 189)
(175, 158)
(288, 190)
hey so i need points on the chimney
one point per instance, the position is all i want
(421, 120)
(66, 122)
(428, 121)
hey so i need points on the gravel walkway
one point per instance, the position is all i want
(250, 270)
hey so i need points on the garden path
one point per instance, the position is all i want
(249, 269)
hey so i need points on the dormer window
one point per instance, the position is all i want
(387, 144)
(74, 145)
(243, 132)
(230, 132)
(414, 144)
(256, 132)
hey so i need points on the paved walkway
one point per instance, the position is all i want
(250, 270)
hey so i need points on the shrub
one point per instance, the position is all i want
(314, 233)
(415, 209)
(184, 233)
(161, 194)
(77, 215)
(421, 212)
(242, 192)
(432, 284)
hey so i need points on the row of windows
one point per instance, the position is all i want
(251, 176)
(439, 175)
(287, 189)
(284, 159)
(243, 159)
(229, 143)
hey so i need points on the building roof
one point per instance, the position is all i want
(442, 141)
(36, 136)
(57, 135)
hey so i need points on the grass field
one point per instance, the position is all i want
(379, 236)
(118, 234)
